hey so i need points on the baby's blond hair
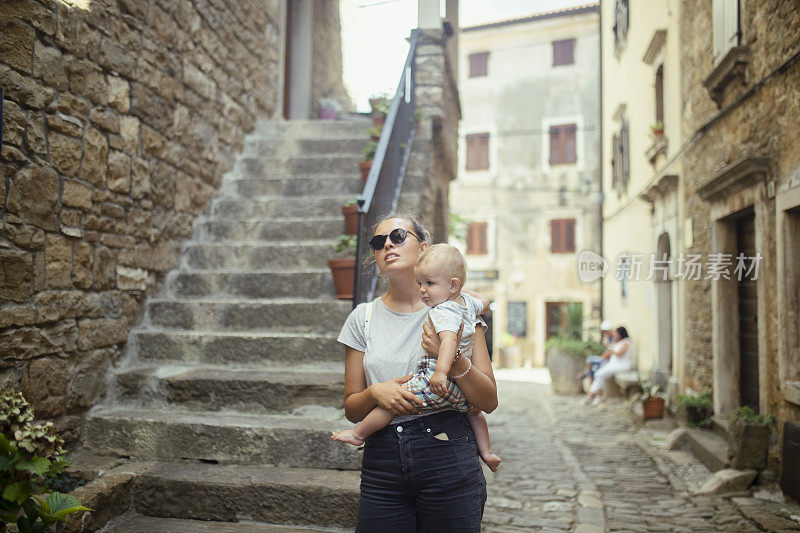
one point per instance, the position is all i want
(445, 258)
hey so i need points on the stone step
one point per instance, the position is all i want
(296, 496)
(709, 447)
(252, 256)
(150, 524)
(306, 186)
(260, 146)
(279, 206)
(248, 390)
(259, 284)
(310, 316)
(324, 164)
(279, 349)
(276, 229)
(227, 438)
(311, 129)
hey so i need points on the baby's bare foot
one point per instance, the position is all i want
(349, 436)
(491, 460)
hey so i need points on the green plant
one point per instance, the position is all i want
(658, 126)
(370, 149)
(382, 106)
(458, 227)
(30, 455)
(346, 244)
(697, 409)
(374, 132)
(352, 202)
(574, 328)
(648, 390)
(574, 347)
(749, 416)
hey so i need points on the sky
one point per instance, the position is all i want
(374, 33)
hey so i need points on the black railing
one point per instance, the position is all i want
(382, 189)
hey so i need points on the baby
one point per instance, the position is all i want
(440, 274)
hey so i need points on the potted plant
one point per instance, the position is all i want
(657, 129)
(652, 399)
(375, 133)
(350, 212)
(31, 457)
(696, 409)
(329, 109)
(344, 269)
(380, 107)
(749, 439)
(369, 154)
(510, 353)
(566, 357)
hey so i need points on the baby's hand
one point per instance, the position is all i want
(439, 383)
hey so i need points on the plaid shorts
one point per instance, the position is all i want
(420, 385)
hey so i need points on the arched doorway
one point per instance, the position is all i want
(663, 369)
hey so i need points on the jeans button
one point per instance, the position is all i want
(399, 429)
(428, 430)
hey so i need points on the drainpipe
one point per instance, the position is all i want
(602, 162)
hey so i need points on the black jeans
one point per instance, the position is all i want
(412, 481)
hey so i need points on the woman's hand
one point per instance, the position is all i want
(394, 398)
(430, 339)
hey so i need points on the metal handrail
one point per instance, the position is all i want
(385, 180)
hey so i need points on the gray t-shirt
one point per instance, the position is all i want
(395, 348)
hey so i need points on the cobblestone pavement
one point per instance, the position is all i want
(569, 467)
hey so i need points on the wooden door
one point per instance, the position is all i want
(748, 317)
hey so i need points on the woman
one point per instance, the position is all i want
(620, 358)
(422, 472)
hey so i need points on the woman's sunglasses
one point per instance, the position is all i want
(397, 236)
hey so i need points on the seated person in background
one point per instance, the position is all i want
(620, 360)
(593, 362)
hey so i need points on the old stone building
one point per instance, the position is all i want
(528, 184)
(741, 100)
(718, 187)
(120, 120)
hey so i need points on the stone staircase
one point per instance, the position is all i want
(234, 379)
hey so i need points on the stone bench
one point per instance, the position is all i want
(624, 383)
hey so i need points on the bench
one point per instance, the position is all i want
(624, 383)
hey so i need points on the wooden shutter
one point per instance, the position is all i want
(562, 236)
(563, 52)
(478, 151)
(563, 144)
(725, 27)
(624, 154)
(478, 64)
(477, 243)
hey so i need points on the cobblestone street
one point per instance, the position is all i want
(569, 467)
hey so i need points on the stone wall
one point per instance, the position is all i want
(326, 74)
(121, 117)
(766, 123)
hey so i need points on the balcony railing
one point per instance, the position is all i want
(382, 189)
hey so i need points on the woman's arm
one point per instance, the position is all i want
(478, 385)
(359, 399)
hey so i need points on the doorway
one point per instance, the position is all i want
(748, 316)
(663, 369)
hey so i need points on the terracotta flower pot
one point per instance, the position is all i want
(343, 271)
(350, 213)
(364, 167)
(658, 133)
(378, 119)
(653, 408)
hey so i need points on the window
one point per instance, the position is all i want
(562, 236)
(562, 144)
(478, 64)
(726, 27)
(620, 22)
(660, 95)
(518, 318)
(478, 151)
(476, 239)
(620, 160)
(563, 52)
